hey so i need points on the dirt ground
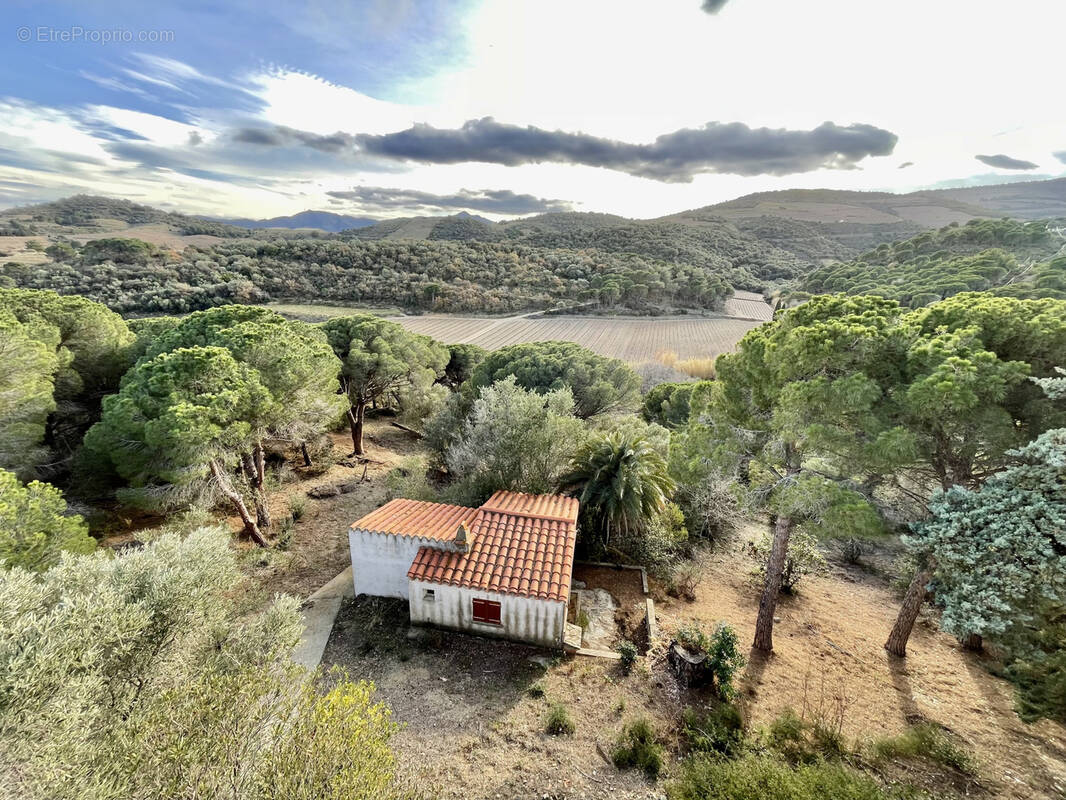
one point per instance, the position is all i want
(828, 652)
(472, 725)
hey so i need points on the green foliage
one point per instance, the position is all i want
(176, 414)
(137, 676)
(638, 747)
(463, 359)
(35, 527)
(559, 722)
(765, 778)
(599, 384)
(804, 558)
(438, 275)
(27, 393)
(621, 481)
(926, 741)
(627, 653)
(1035, 658)
(381, 362)
(64, 354)
(536, 690)
(982, 255)
(719, 729)
(512, 439)
(669, 404)
(804, 741)
(724, 659)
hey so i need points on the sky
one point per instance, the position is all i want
(505, 108)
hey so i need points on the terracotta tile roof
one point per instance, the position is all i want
(521, 544)
(416, 518)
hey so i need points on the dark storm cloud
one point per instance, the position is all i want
(493, 201)
(1000, 161)
(731, 148)
(713, 6)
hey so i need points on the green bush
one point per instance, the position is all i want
(801, 741)
(927, 741)
(297, 507)
(628, 653)
(724, 659)
(638, 748)
(559, 722)
(536, 690)
(766, 778)
(717, 730)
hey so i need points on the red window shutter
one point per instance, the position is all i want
(486, 611)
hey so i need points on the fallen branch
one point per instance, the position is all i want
(404, 428)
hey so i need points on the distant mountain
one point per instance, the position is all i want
(320, 220)
(1024, 199)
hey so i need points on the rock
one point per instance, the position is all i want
(777, 620)
(416, 634)
(332, 490)
(577, 584)
(544, 661)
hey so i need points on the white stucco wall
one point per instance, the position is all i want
(525, 619)
(380, 562)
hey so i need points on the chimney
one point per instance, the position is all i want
(462, 538)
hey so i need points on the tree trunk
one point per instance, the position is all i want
(255, 469)
(775, 566)
(306, 455)
(355, 422)
(973, 642)
(908, 613)
(234, 497)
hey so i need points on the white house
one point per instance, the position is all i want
(503, 569)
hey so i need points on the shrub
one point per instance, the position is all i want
(801, 741)
(927, 741)
(724, 659)
(685, 579)
(765, 778)
(804, 558)
(297, 507)
(637, 748)
(701, 368)
(852, 550)
(536, 690)
(717, 730)
(627, 652)
(559, 722)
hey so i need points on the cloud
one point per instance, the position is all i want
(905, 164)
(713, 6)
(373, 199)
(1000, 161)
(1060, 155)
(675, 157)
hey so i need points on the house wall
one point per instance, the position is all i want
(380, 562)
(525, 619)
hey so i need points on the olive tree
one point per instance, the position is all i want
(598, 384)
(137, 675)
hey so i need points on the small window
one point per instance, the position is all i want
(430, 595)
(487, 611)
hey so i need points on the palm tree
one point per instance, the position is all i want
(621, 481)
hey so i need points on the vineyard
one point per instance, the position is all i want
(632, 340)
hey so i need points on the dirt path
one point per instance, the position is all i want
(829, 652)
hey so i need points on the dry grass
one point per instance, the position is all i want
(702, 368)
(833, 632)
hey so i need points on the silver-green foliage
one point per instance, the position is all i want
(1000, 550)
(137, 677)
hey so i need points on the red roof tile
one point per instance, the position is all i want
(416, 518)
(521, 544)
